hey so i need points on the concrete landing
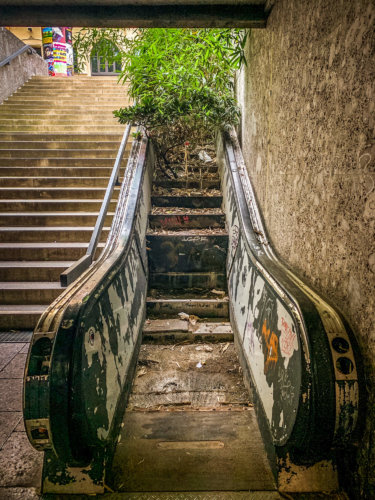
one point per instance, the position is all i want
(190, 425)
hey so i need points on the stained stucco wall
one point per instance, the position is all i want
(307, 131)
(23, 67)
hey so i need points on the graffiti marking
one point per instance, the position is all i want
(272, 343)
(288, 341)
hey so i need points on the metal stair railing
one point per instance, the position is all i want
(76, 269)
(9, 59)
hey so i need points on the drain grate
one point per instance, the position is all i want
(23, 336)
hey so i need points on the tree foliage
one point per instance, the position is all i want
(102, 40)
(181, 82)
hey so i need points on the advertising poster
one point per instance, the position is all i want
(47, 35)
(51, 68)
(48, 51)
(58, 35)
(59, 56)
(69, 60)
(58, 50)
(68, 36)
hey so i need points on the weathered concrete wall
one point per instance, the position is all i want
(308, 139)
(23, 67)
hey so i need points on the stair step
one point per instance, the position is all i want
(56, 171)
(20, 317)
(186, 252)
(88, 99)
(50, 219)
(49, 234)
(31, 107)
(60, 162)
(61, 144)
(37, 87)
(59, 128)
(187, 201)
(189, 183)
(57, 138)
(57, 153)
(203, 281)
(37, 112)
(53, 182)
(65, 91)
(106, 119)
(210, 167)
(53, 205)
(161, 330)
(188, 293)
(29, 292)
(203, 308)
(187, 221)
(32, 270)
(55, 193)
(71, 251)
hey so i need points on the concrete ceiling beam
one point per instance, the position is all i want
(188, 14)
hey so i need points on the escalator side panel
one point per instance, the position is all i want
(267, 332)
(111, 328)
(287, 334)
(85, 347)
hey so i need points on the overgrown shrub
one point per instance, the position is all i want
(181, 82)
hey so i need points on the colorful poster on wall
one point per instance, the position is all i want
(68, 36)
(47, 35)
(48, 51)
(69, 60)
(58, 35)
(58, 50)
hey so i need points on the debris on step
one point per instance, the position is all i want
(205, 348)
(189, 317)
(184, 192)
(203, 156)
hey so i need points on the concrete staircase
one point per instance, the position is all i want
(58, 143)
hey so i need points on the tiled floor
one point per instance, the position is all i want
(20, 464)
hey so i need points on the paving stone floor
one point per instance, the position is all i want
(20, 464)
